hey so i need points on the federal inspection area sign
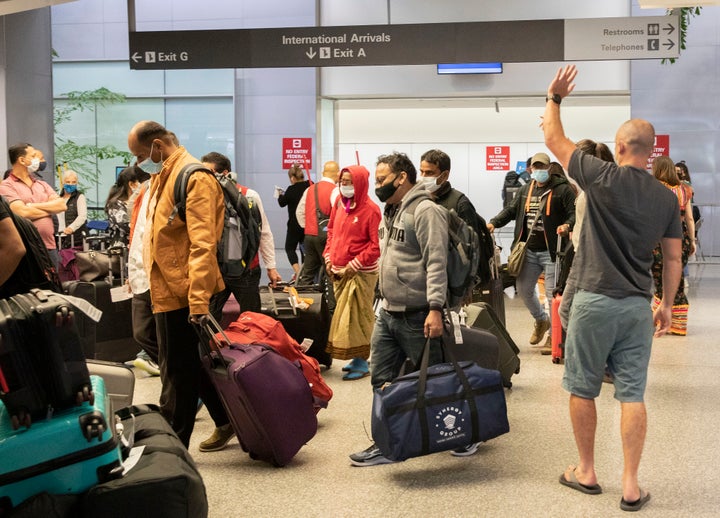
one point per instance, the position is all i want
(522, 41)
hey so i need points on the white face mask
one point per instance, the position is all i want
(348, 191)
(149, 166)
(34, 165)
(430, 182)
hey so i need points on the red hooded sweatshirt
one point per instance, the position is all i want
(352, 237)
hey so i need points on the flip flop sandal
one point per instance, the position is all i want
(355, 375)
(575, 484)
(637, 504)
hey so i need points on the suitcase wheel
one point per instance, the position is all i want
(23, 419)
(86, 394)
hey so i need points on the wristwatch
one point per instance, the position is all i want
(555, 98)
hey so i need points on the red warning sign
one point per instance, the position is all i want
(497, 158)
(661, 148)
(297, 151)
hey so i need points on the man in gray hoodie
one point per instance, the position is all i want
(413, 278)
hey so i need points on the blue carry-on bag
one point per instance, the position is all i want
(438, 408)
(69, 453)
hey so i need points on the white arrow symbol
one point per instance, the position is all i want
(311, 53)
(136, 57)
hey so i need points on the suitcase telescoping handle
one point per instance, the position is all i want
(210, 345)
(558, 250)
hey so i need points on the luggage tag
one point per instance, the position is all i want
(120, 293)
(457, 333)
(83, 305)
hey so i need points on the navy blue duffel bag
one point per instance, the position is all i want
(438, 408)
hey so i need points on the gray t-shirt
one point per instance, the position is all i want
(628, 213)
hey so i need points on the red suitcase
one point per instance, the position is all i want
(557, 330)
(266, 397)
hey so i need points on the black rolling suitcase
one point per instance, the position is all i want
(482, 316)
(111, 339)
(312, 323)
(493, 292)
(42, 364)
(478, 345)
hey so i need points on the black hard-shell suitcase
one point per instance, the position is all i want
(482, 316)
(41, 358)
(111, 339)
(312, 323)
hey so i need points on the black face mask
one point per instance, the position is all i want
(385, 192)
(42, 166)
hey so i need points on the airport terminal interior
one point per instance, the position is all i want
(353, 114)
(513, 475)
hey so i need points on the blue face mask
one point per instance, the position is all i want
(70, 188)
(540, 175)
(149, 166)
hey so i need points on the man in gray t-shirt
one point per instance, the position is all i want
(611, 323)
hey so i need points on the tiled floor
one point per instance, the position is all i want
(514, 475)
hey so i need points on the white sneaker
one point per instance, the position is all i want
(148, 366)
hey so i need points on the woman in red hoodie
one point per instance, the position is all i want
(351, 259)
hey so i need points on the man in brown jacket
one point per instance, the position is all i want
(181, 263)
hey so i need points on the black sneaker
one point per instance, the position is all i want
(466, 451)
(369, 457)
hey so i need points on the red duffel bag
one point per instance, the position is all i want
(256, 328)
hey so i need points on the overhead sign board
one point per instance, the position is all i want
(411, 44)
(521, 41)
(648, 37)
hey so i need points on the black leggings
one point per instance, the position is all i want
(293, 238)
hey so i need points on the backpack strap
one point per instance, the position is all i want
(180, 189)
(453, 199)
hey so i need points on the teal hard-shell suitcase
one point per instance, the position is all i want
(69, 453)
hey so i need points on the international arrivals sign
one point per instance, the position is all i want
(649, 37)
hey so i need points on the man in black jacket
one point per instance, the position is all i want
(550, 200)
(435, 174)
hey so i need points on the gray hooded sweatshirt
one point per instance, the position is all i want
(413, 271)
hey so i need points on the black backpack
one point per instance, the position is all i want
(240, 239)
(36, 268)
(486, 246)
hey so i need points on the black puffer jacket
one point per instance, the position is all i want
(562, 211)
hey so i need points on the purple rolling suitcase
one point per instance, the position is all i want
(266, 397)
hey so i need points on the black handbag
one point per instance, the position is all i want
(438, 408)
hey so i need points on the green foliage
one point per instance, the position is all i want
(84, 157)
(685, 14)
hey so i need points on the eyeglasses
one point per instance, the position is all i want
(381, 180)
